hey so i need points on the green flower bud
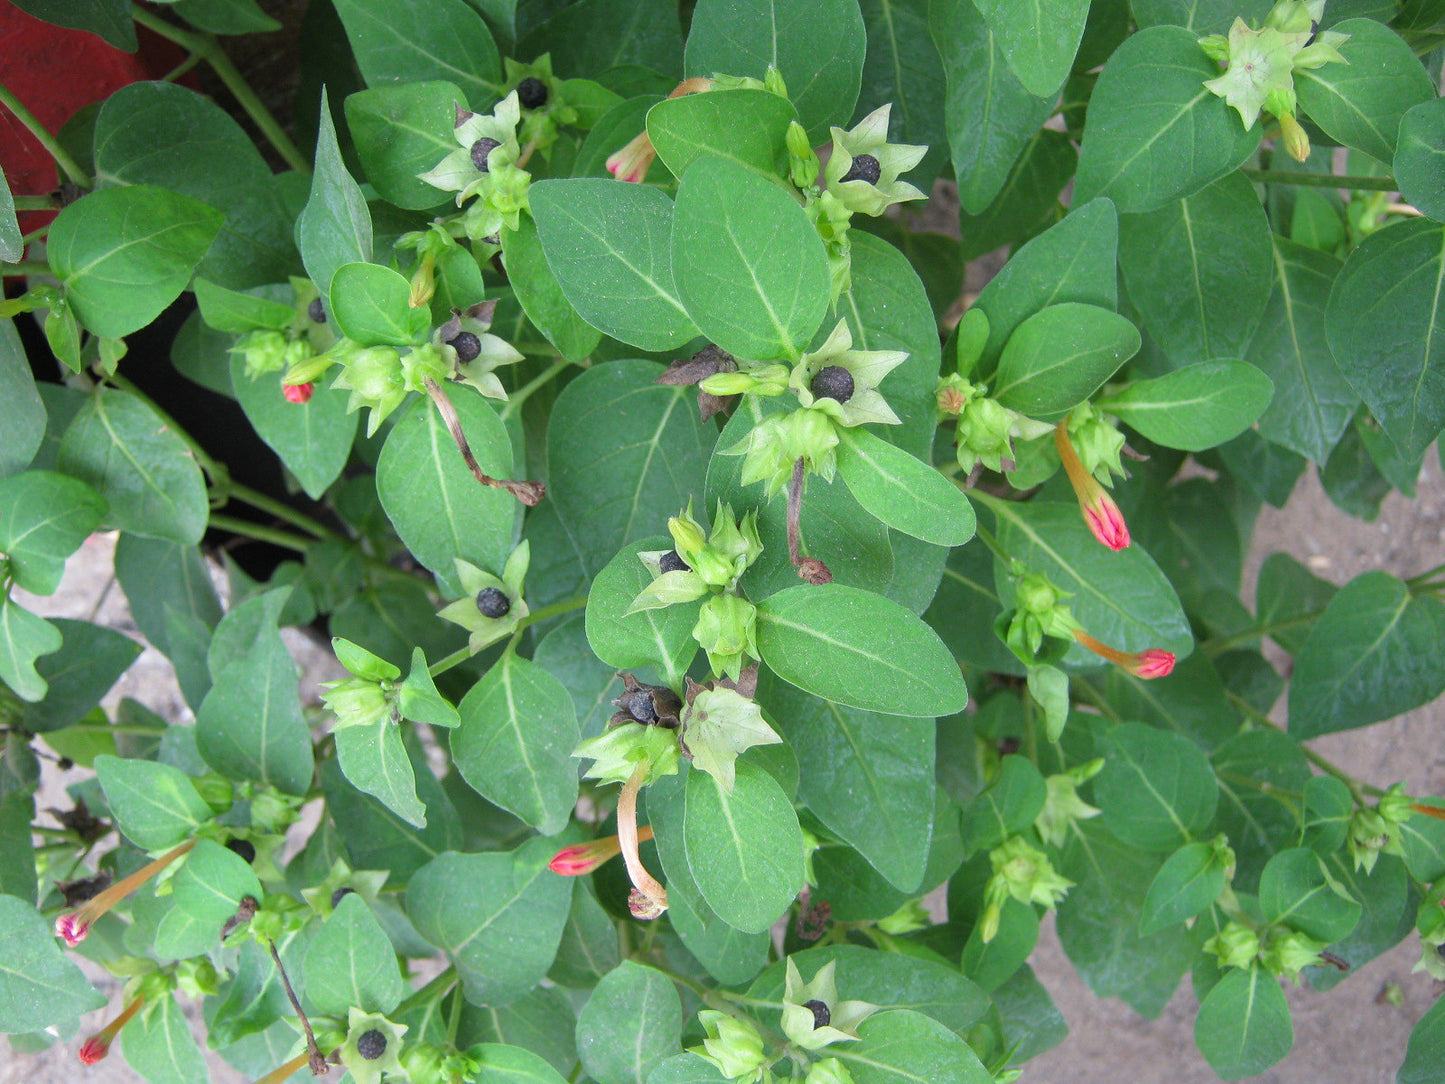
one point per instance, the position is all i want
(1291, 952)
(262, 351)
(802, 161)
(425, 362)
(773, 82)
(828, 1071)
(733, 1045)
(356, 702)
(1395, 805)
(911, 916)
(374, 376)
(984, 431)
(1025, 873)
(1062, 804)
(1234, 946)
(1097, 442)
(727, 630)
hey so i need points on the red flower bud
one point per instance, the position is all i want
(71, 928)
(297, 393)
(582, 858)
(98, 1045)
(1105, 521)
(1152, 663)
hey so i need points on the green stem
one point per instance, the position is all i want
(1357, 788)
(35, 203)
(456, 658)
(28, 267)
(247, 495)
(214, 470)
(248, 529)
(520, 396)
(1322, 180)
(62, 157)
(1221, 644)
(207, 46)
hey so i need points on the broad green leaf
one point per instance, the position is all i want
(12, 245)
(856, 648)
(541, 296)
(730, 956)
(1313, 400)
(1204, 16)
(108, 19)
(1198, 270)
(593, 37)
(989, 115)
(371, 306)
(1243, 1026)
(901, 1046)
(1060, 356)
(1360, 103)
(403, 130)
(818, 48)
(1192, 703)
(744, 849)
(1388, 917)
(375, 760)
(211, 883)
(1189, 881)
(902, 68)
(745, 127)
(124, 254)
(17, 853)
(1369, 657)
(410, 41)
(335, 225)
(39, 985)
(1426, 1050)
(660, 638)
(394, 617)
(749, 265)
(350, 963)
(155, 805)
(501, 1064)
(226, 16)
(542, 1022)
(1325, 820)
(376, 838)
(1155, 132)
(902, 491)
(1196, 407)
(235, 312)
(1157, 790)
(1288, 600)
(44, 517)
(1422, 838)
(515, 742)
(610, 246)
(591, 682)
(867, 777)
(143, 470)
(1009, 806)
(158, 1045)
(498, 916)
(1032, 1023)
(1295, 891)
(22, 411)
(632, 1021)
(313, 438)
(439, 509)
(90, 660)
(1385, 314)
(589, 947)
(1039, 42)
(24, 638)
(625, 454)
(991, 964)
(1250, 769)
(1028, 202)
(1420, 158)
(686, 1069)
(616, 128)
(157, 576)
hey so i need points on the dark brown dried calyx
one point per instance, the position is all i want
(708, 361)
(650, 705)
(77, 892)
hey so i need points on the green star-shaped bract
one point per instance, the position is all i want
(373, 375)
(717, 725)
(495, 351)
(798, 1018)
(488, 630)
(371, 1070)
(457, 172)
(866, 367)
(616, 752)
(870, 136)
(733, 1045)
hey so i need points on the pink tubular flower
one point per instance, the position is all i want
(98, 1045)
(1153, 663)
(297, 393)
(582, 858)
(632, 161)
(648, 899)
(73, 926)
(1106, 522)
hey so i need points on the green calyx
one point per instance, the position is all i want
(1024, 873)
(617, 751)
(727, 630)
(467, 612)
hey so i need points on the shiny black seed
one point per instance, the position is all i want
(339, 895)
(641, 707)
(864, 168)
(244, 848)
(833, 382)
(822, 1015)
(371, 1045)
(316, 310)
(493, 603)
(467, 346)
(532, 93)
(671, 562)
(480, 149)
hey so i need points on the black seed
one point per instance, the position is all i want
(641, 707)
(371, 1045)
(1440, 951)
(480, 149)
(532, 93)
(243, 848)
(822, 1015)
(339, 895)
(493, 603)
(316, 310)
(65, 764)
(832, 382)
(467, 346)
(671, 562)
(864, 168)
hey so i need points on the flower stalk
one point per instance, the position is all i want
(648, 898)
(98, 1045)
(73, 926)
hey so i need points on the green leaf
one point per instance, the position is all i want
(1360, 103)
(515, 742)
(225, 16)
(818, 48)
(24, 638)
(1328, 809)
(235, 312)
(44, 517)
(867, 777)
(625, 454)
(991, 964)
(542, 1022)
(90, 660)
(400, 131)
(1010, 805)
(749, 265)
(139, 465)
(1189, 881)
(211, 883)
(1155, 132)
(902, 67)
(411, 41)
(350, 963)
(1423, 840)
(158, 576)
(1196, 407)
(686, 1069)
(313, 438)
(1313, 400)
(376, 838)
(745, 849)
(39, 985)
(902, 491)
(124, 254)
(989, 115)
(1384, 315)
(1032, 1023)
(728, 955)
(335, 225)
(745, 127)
(1243, 1026)
(1420, 158)
(1369, 657)
(1157, 790)
(1248, 768)
(1288, 600)
(158, 1045)
(438, 508)
(1204, 16)
(501, 1064)
(593, 37)
(109, 19)
(610, 247)
(1294, 890)
(498, 916)
(371, 305)
(632, 1021)
(856, 648)
(901, 1046)
(1060, 356)
(541, 296)
(22, 411)
(592, 683)
(1426, 1050)
(589, 948)
(1039, 44)
(155, 805)
(375, 760)
(1028, 202)
(660, 637)
(12, 245)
